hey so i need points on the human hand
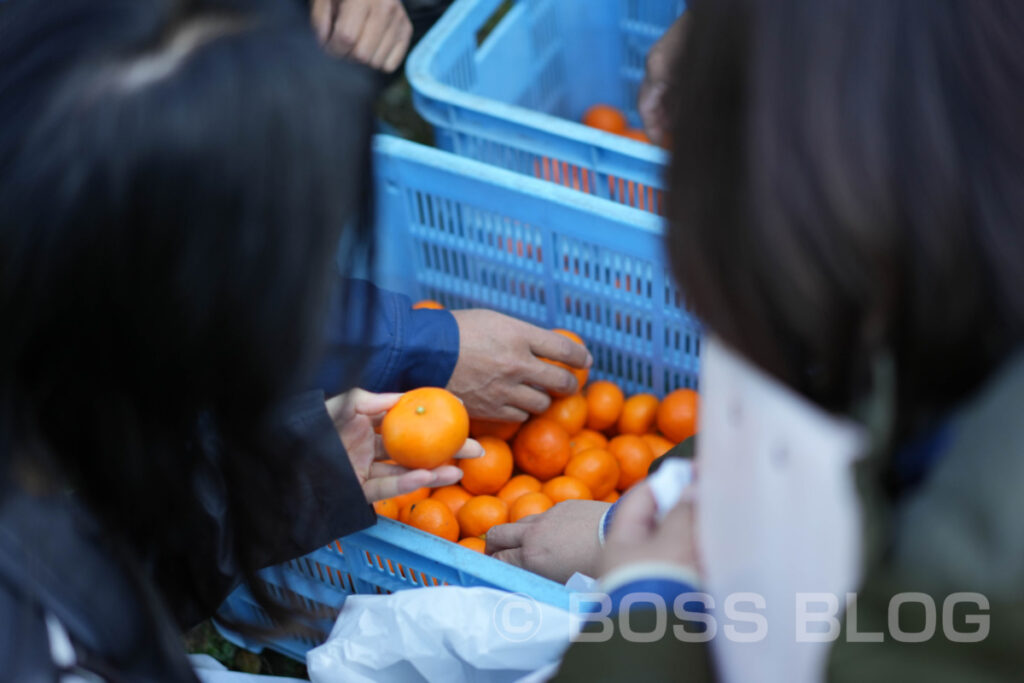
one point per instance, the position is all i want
(500, 374)
(658, 79)
(556, 543)
(355, 414)
(637, 537)
(374, 32)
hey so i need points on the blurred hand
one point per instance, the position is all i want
(658, 80)
(556, 544)
(374, 32)
(499, 374)
(636, 536)
(355, 414)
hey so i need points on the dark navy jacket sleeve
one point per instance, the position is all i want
(375, 340)
(328, 503)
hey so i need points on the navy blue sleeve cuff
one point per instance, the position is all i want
(374, 339)
(606, 522)
(430, 349)
(636, 594)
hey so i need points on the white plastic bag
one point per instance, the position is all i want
(450, 634)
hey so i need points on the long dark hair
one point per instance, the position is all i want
(174, 181)
(846, 184)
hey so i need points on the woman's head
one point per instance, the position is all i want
(174, 181)
(846, 183)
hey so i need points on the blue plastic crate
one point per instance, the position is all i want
(472, 235)
(385, 558)
(515, 98)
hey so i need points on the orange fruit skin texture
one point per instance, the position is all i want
(568, 411)
(604, 405)
(499, 430)
(480, 513)
(634, 458)
(434, 517)
(425, 428)
(529, 504)
(587, 439)
(488, 473)
(607, 118)
(428, 303)
(542, 448)
(638, 414)
(597, 468)
(677, 415)
(566, 488)
(404, 512)
(658, 444)
(411, 497)
(386, 508)
(611, 497)
(581, 374)
(517, 486)
(452, 496)
(474, 543)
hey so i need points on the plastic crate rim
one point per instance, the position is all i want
(479, 170)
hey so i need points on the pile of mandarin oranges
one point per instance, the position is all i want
(591, 445)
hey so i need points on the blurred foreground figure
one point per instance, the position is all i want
(847, 217)
(169, 220)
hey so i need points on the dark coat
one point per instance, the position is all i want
(62, 578)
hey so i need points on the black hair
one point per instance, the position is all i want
(846, 185)
(175, 178)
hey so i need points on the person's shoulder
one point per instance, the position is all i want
(962, 525)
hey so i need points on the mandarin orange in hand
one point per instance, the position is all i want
(659, 445)
(568, 411)
(677, 415)
(634, 458)
(489, 472)
(499, 430)
(453, 496)
(474, 543)
(425, 428)
(434, 517)
(604, 405)
(612, 497)
(607, 118)
(587, 439)
(638, 414)
(542, 448)
(566, 488)
(581, 374)
(480, 513)
(597, 468)
(530, 504)
(519, 485)
(428, 303)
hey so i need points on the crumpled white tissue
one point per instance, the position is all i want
(450, 634)
(670, 483)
